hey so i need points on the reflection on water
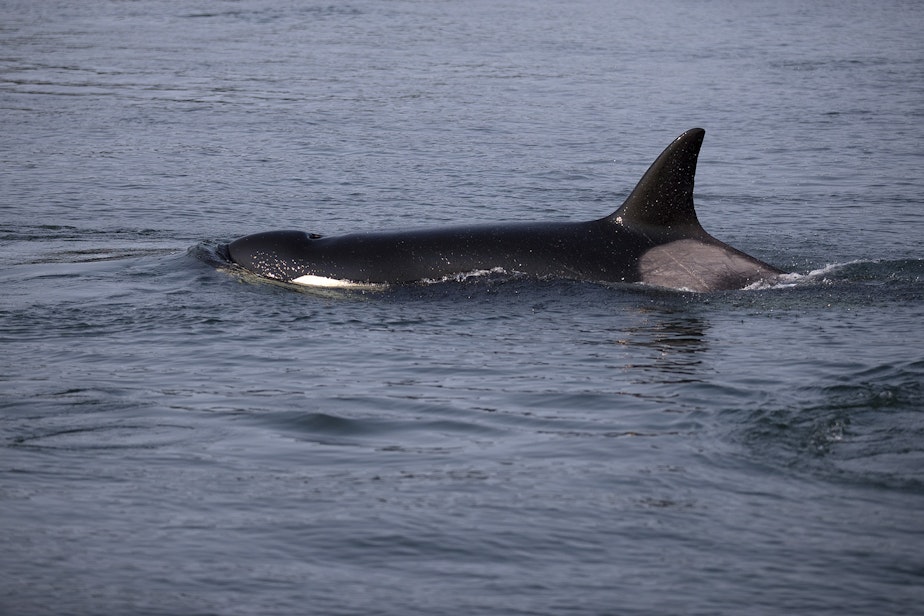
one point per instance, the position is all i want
(677, 343)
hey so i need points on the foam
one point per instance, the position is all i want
(463, 276)
(787, 281)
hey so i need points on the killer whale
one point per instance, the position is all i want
(653, 238)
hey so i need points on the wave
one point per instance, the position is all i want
(864, 428)
(862, 272)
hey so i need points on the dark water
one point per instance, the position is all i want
(179, 439)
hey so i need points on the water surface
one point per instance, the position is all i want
(181, 438)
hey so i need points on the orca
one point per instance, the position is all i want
(654, 238)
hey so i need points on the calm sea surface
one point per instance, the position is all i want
(178, 438)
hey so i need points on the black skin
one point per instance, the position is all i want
(654, 237)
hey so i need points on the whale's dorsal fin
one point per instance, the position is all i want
(664, 196)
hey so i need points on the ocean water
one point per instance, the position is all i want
(181, 438)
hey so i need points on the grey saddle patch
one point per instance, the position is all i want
(697, 266)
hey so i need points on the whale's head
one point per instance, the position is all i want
(279, 255)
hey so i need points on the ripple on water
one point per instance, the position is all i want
(866, 428)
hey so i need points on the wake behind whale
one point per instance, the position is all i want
(653, 238)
